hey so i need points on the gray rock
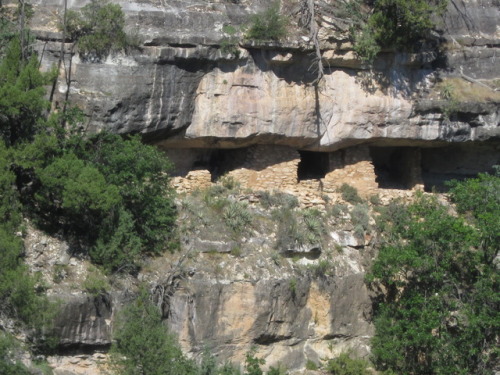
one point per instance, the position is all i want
(85, 321)
(179, 89)
(347, 238)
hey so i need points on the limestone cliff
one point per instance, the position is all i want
(256, 116)
(191, 96)
(180, 89)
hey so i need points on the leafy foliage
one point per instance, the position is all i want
(270, 25)
(350, 194)
(344, 365)
(22, 101)
(298, 227)
(8, 364)
(97, 29)
(440, 312)
(19, 299)
(111, 194)
(400, 24)
(144, 346)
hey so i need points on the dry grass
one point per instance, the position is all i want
(464, 91)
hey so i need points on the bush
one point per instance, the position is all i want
(22, 101)
(270, 25)
(18, 297)
(311, 365)
(143, 344)
(360, 217)
(441, 306)
(107, 193)
(237, 216)
(252, 364)
(278, 199)
(314, 225)
(9, 364)
(344, 365)
(95, 283)
(97, 29)
(350, 194)
(400, 24)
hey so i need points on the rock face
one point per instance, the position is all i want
(179, 88)
(289, 320)
(85, 322)
(387, 128)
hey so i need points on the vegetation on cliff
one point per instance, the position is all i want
(439, 313)
(107, 195)
(97, 29)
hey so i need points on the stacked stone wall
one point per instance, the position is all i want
(269, 167)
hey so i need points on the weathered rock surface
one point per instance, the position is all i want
(230, 295)
(290, 320)
(84, 322)
(182, 92)
(179, 89)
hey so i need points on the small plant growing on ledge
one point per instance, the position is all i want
(97, 29)
(270, 25)
(350, 194)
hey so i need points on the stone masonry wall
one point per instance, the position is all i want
(270, 167)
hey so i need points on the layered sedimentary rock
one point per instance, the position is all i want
(180, 88)
(254, 113)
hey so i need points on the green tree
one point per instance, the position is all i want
(439, 314)
(22, 102)
(18, 297)
(107, 193)
(143, 345)
(269, 25)
(97, 29)
(141, 174)
(8, 364)
(397, 24)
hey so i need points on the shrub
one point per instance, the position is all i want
(344, 365)
(293, 286)
(360, 217)
(350, 194)
(400, 24)
(97, 29)
(95, 283)
(375, 200)
(366, 44)
(314, 225)
(107, 193)
(338, 210)
(270, 25)
(142, 343)
(322, 268)
(278, 199)
(441, 284)
(311, 365)
(280, 370)
(9, 364)
(18, 295)
(252, 364)
(61, 271)
(237, 216)
(22, 101)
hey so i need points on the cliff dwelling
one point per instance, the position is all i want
(300, 172)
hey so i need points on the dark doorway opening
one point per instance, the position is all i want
(393, 166)
(312, 165)
(221, 161)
